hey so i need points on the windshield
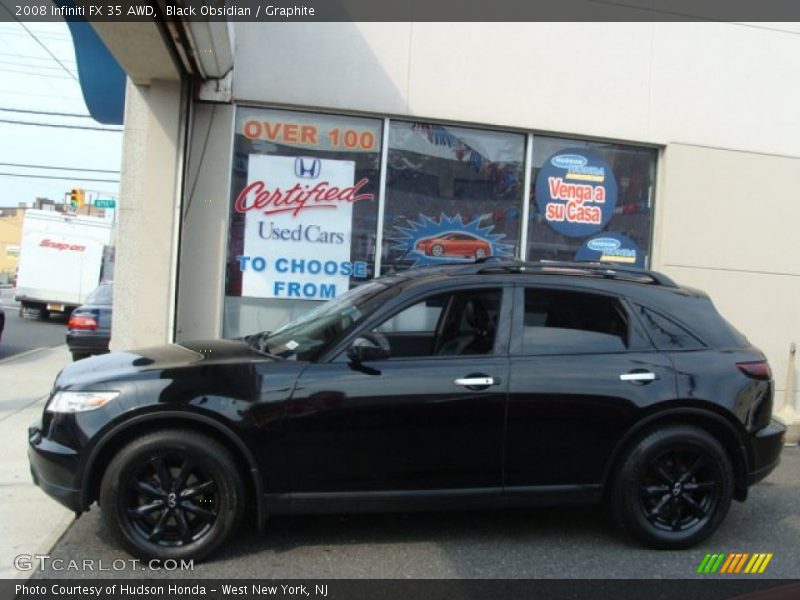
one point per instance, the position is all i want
(306, 337)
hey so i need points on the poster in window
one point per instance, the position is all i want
(298, 220)
(576, 191)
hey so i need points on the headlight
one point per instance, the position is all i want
(72, 402)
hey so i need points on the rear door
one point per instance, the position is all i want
(582, 371)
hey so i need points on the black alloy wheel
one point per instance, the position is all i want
(674, 488)
(172, 494)
(679, 490)
(171, 501)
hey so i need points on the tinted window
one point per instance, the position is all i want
(102, 295)
(560, 322)
(665, 333)
(452, 324)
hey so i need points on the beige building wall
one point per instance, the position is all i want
(716, 84)
(726, 223)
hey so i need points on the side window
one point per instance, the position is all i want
(566, 322)
(452, 324)
(666, 333)
(421, 317)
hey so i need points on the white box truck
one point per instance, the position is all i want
(60, 261)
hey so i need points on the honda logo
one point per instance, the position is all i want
(305, 166)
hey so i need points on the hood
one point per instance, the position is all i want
(137, 363)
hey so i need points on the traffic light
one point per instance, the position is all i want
(76, 198)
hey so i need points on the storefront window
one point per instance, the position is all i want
(452, 194)
(303, 214)
(590, 201)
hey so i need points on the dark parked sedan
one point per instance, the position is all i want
(490, 384)
(89, 326)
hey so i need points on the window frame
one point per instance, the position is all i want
(638, 340)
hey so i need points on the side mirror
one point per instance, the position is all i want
(367, 347)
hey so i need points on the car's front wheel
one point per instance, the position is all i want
(673, 488)
(172, 494)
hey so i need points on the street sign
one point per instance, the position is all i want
(105, 203)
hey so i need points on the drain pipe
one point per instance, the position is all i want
(789, 413)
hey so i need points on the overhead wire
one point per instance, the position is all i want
(61, 178)
(38, 41)
(30, 166)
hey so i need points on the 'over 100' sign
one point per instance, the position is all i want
(297, 235)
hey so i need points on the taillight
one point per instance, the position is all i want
(82, 322)
(757, 369)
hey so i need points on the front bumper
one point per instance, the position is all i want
(54, 468)
(767, 446)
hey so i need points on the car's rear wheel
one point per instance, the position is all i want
(674, 488)
(172, 494)
(437, 250)
(480, 253)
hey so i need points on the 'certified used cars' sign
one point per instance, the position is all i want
(298, 224)
(576, 192)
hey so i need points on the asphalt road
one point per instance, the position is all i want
(20, 335)
(578, 542)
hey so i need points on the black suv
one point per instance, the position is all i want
(486, 384)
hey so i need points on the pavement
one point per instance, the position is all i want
(566, 542)
(30, 522)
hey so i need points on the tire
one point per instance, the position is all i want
(80, 355)
(437, 250)
(145, 474)
(674, 488)
(480, 253)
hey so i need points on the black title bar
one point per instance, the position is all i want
(404, 10)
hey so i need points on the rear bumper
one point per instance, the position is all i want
(95, 342)
(767, 446)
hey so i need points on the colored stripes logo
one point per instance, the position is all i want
(739, 562)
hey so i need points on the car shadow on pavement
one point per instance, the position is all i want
(285, 533)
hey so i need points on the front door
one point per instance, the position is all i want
(428, 419)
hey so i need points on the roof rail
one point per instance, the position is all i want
(546, 267)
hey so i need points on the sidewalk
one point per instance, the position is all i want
(30, 521)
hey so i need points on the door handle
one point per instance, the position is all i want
(638, 376)
(474, 381)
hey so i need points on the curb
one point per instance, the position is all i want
(26, 353)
